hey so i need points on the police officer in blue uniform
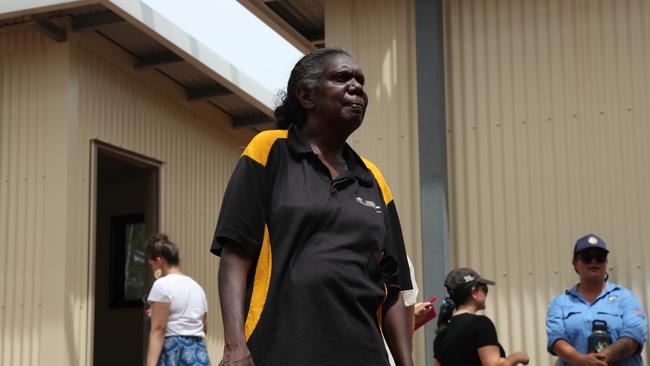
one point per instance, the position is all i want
(571, 314)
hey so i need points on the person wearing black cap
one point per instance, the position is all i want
(462, 337)
(570, 316)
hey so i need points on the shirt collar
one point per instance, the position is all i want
(299, 147)
(609, 287)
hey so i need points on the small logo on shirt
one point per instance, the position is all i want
(639, 312)
(612, 298)
(370, 204)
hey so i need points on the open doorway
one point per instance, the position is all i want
(127, 211)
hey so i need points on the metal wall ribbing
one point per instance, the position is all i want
(54, 99)
(547, 130)
(23, 177)
(198, 157)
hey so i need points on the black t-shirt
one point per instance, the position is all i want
(458, 344)
(325, 250)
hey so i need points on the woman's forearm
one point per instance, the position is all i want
(398, 329)
(566, 352)
(156, 341)
(233, 273)
(620, 350)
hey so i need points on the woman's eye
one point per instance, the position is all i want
(341, 77)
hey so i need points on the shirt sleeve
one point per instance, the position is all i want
(159, 292)
(243, 210)
(555, 329)
(411, 296)
(486, 333)
(395, 248)
(635, 323)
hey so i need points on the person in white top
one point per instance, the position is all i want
(416, 311)
(178, 310)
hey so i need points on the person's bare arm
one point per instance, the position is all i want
(410, 315)
(623, 348)
(566, 352)
(159, 317)
(205, 323)
(398, 329)
(233, 274)
(490, 356)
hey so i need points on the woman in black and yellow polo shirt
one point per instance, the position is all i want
(312, 254)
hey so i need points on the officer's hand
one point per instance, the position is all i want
(592, 359)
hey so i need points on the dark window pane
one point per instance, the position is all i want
(134, 262)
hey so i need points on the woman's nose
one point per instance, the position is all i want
(354, 85)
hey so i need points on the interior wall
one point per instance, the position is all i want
(119, 328)
(547, 142)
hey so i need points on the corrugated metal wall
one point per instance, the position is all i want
(198, 160)
(55, 98)
(22, 187)
(381, 34)
(547, 141)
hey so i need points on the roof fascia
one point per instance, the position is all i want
(191, 50)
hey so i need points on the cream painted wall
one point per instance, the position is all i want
(381, 34)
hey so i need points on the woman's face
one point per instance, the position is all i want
(591, 264)
(479, 292)
(341, 99)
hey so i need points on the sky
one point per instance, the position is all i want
(235, 34)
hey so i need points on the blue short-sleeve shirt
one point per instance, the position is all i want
(570, 317)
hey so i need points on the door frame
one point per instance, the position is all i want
(96, 147)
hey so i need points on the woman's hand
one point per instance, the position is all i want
(236, 355)
(592, 359)
(421, 311)
(568, 354)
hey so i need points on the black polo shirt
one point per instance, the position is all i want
(326, 251)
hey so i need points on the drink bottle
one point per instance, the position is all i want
(599, 338)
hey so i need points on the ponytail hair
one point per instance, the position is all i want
(456, 298)
(159, 245)
(444, 317)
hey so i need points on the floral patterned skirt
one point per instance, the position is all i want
(184, 351)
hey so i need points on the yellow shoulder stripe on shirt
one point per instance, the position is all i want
(261, 284)
(258, 149)
(385, 191)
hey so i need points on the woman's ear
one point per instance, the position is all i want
(305, 98)
(474, 292)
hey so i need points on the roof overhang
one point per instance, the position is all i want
(225, 86)
(301, 23)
